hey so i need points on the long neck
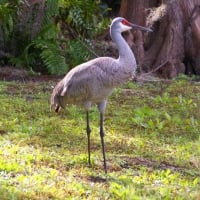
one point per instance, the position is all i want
(125, 53)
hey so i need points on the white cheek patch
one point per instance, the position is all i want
(125, 27)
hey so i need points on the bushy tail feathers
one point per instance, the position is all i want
(56, 97)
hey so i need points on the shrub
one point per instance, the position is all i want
(43, 35)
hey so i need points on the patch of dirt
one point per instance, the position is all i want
(3, 132)
(129, 162)
(97, 179)
(16, 74)
(11, 73)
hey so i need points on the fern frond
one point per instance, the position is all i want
(78, 53)
(52, 9)
(52, 58)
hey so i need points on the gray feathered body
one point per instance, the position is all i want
(94, 81)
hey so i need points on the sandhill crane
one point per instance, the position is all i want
(93, 81)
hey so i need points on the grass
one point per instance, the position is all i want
(152, 144)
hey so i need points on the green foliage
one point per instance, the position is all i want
(8, 16)
(31, 48)
(79, 15)
(77, 51)
(52, 9)
(33, 35)
(47, 45)
(44, 155)
(53, 59)
(6, 20)
(48, 51)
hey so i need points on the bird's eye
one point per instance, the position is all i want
(125, 22)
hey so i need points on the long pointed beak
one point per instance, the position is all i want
(134, 26)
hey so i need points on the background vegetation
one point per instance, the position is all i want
(52, 36)
(49, 36)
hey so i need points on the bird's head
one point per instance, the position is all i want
(120, 24)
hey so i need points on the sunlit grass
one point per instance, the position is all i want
(152, 144)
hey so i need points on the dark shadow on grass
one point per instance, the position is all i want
(97, 179)
(130, 162)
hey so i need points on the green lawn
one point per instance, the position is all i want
(152, 144)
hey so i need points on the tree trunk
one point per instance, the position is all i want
(174, 45)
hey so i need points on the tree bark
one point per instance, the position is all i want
(174, 45)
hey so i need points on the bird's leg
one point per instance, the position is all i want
(88, 137)
(102, 141)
